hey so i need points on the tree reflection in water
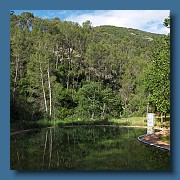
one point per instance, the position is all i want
(86, 148)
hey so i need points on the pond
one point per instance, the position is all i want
(86, 148)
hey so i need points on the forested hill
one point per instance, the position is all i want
(123, 32)
(61, 70)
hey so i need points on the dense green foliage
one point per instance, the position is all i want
(157, 77)
(62, 70)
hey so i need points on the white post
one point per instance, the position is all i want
(150, 119)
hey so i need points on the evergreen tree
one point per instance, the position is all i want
(61, 70)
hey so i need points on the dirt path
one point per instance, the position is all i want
(154, 139)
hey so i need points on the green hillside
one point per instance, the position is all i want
(63, 71)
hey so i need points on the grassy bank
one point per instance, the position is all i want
(141, 121)
(131, 121)
(42, 123)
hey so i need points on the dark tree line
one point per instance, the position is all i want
(61, 70)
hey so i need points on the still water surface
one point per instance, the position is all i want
(86, 148)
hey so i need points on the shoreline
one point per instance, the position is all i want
(155, 139)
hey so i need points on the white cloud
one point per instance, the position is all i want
(148, 20)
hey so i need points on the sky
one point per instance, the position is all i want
(146, 20)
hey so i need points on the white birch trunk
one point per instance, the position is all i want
(57, 59)
(42, 83)
(50, 94)
(103, 111)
